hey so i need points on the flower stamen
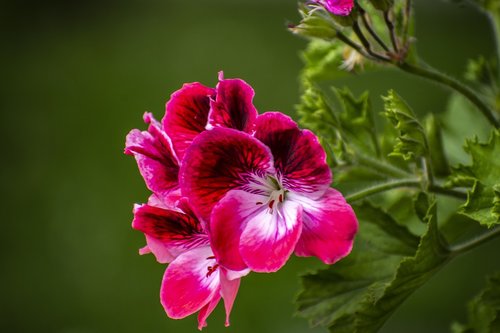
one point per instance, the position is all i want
(211, 269)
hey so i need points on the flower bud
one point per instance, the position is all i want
(314, 24)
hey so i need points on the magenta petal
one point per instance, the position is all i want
(229, 289)
(246, 233)
(187, 114)
(233, 107)
(226, 225)
(218, 161)
(338, 7)
(269, 239)
(329, 227)
(298, 156)
(168, 232)
(206, 311)
(187, 287)
(153, 152)
(162, 251)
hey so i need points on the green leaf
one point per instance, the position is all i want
(483, 201)
(439, 161)
(357, 120)
(484, 310)
(411, 141)
(358, 294)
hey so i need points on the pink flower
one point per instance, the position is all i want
(266, 195)
(337, 7)
(160, 150)
(193, 281)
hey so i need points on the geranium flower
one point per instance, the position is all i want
(266, 195)
(337, 7)
(193, 281)
(190, 110)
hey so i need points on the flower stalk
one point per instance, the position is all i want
(436, 76)
(475, 242)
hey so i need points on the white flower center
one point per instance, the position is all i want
(276, 194)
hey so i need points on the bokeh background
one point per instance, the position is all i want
(76, 76)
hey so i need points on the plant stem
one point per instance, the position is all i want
(368, 26)
(412, 182)
(392, 32)
(399, 183)
(406, 26)
(471, 244)
(354, 45)
(447, 191)
(366, 43)
(495, 23)
(454, 84)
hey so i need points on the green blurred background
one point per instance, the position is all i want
(78, 75)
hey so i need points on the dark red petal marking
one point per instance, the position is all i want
(154, 155)
(233, 106)
(218, 161)
(298, 156)
(169, 226)
(187, 114)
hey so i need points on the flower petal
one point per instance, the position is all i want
(298, 156)
(187, 114)
(168, 232)
(153, 152)
(186, 286)
(229, 289)
(161, 251)
(244, 232)
(338, 7)
(232, 107)
(206, 311)
(329, 227)
(217, 161)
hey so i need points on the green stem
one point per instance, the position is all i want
(495, 22)
(406, 26)
(366, 43)
(447, 191)
(436, 76)
(368, 26)
(354, 45)
(392, 32)
(382, 188)
(471, 244)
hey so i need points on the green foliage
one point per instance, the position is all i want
(322, 60)
(483, 202)
(411, 141)
(484, 310)
(387, 264)
(433, 130)
(371, 154)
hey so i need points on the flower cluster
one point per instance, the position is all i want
(232, 192)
